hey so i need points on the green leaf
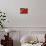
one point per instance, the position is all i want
(0, 12)
(4, 13)
(0, 21)
(2, 26)
(1, 16)
(4, 16)
(3, 19)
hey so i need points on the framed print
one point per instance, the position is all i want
(23, 10)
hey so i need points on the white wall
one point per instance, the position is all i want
(35, 18)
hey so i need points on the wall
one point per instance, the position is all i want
(35, 18)
(34, 21)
